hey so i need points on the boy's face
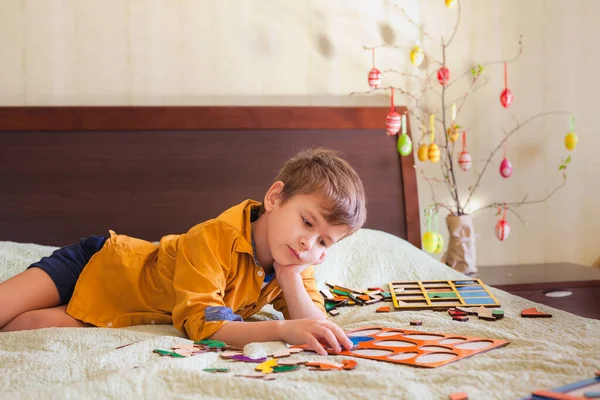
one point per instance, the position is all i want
(298, 234)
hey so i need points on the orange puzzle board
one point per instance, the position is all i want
(415, 348)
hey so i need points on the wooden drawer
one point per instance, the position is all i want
(584, 300)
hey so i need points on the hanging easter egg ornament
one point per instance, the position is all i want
(423, 153)
(375, 76)
(502, 227)
(433, 152)
(453, 130)
(430, 241)
(571, 138)
(404, 142)
(464, 160)
(393, 119)
(443, 76)
(506, 97)
(450, 3)
(505, 166)
(417, 56)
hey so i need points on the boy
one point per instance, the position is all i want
(207, 280)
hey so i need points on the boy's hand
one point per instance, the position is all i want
(312, 331)
(281, 270)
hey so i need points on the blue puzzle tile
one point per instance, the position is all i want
(476, 300)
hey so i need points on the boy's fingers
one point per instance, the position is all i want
(314, 344)
(330, 338)
(342, 338)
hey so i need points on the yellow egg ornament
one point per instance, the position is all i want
(450, 3)
(417, 56)
(433, 153)
(571, 140)
(422, 153)
(430, 241)
(453, 133)
(440, 244)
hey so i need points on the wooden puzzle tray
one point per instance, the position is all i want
(441, 294)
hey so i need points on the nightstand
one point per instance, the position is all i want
(569, 287)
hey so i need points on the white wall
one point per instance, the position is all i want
(290, 52)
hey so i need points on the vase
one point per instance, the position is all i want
(461, 254)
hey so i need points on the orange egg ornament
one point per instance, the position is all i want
(433, 153)
(422, 153)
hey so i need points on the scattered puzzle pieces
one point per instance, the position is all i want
(320, 366)
(546, 394)
(383, 309)
(498, 314)
(458, 396)
(463, 318)
(416, 323)
(285, 368)
(485, 313)
(258, 376)
(534, 313)
(267, 366)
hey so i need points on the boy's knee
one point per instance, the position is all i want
(33, 320)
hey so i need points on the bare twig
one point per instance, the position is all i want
(425, 33)
(490, 63)
(455, 25)
(507, 135)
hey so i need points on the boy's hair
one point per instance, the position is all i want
(324, 171)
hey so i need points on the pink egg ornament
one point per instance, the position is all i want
(506, 98)
(443, 76)
(464, 160)
(375, 78)
(393, 121)
(506, 168)
(502, 230)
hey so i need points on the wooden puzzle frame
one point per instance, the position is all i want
(410, 295)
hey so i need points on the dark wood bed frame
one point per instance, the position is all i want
(69, 172)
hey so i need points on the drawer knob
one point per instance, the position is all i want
(558, 293)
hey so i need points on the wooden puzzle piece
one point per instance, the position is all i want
(458, 396)
(244, 358)
(546, 394)
(211, 343)
(216, 370)
(373, 301)
(349, 365)
(326, 293)
(383, 309)
(485, 313)
(416, 323)
(469, 311)
(267, 366)
(334, 312)
(231, 353)
(591, 395)
(285, 368)
(295, 350)
(258, 376)
(456, 313)
(292, 362)
(461, 318)
(498, 314)
(281, 354)
(167, 353)
(534, 313)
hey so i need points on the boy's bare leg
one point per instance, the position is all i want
(46, 318)
(33, 289)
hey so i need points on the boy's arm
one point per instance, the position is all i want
(300, 294)
(299, 331)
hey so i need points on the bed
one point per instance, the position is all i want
(68, 172)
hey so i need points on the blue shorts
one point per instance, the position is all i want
(64, 265)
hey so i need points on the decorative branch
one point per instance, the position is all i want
(506, 136)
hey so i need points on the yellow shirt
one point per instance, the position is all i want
(134, 282)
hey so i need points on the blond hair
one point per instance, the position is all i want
(325, 172)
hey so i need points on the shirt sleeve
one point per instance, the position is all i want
(203, 259)
(308, 279)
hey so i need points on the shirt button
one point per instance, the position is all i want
(109, 324)
(153, 322)
(260, 273)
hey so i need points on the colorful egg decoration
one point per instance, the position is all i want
(464, 160)
(392, 123)
(433, 152)
(404, 145)
(450, 3)
(502, 230)
(417, 56)
(422, 153)
(571, 140)
(506, 98)
(443, 76)
(505, 168)
(453, 132)
(430, 241)
(375, 78)
(440, 244)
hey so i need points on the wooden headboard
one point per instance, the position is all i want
(69, 172)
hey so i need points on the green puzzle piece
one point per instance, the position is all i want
(286, 368)
(167, 353)
(216, 370)
(442, 295)
(211, 343)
